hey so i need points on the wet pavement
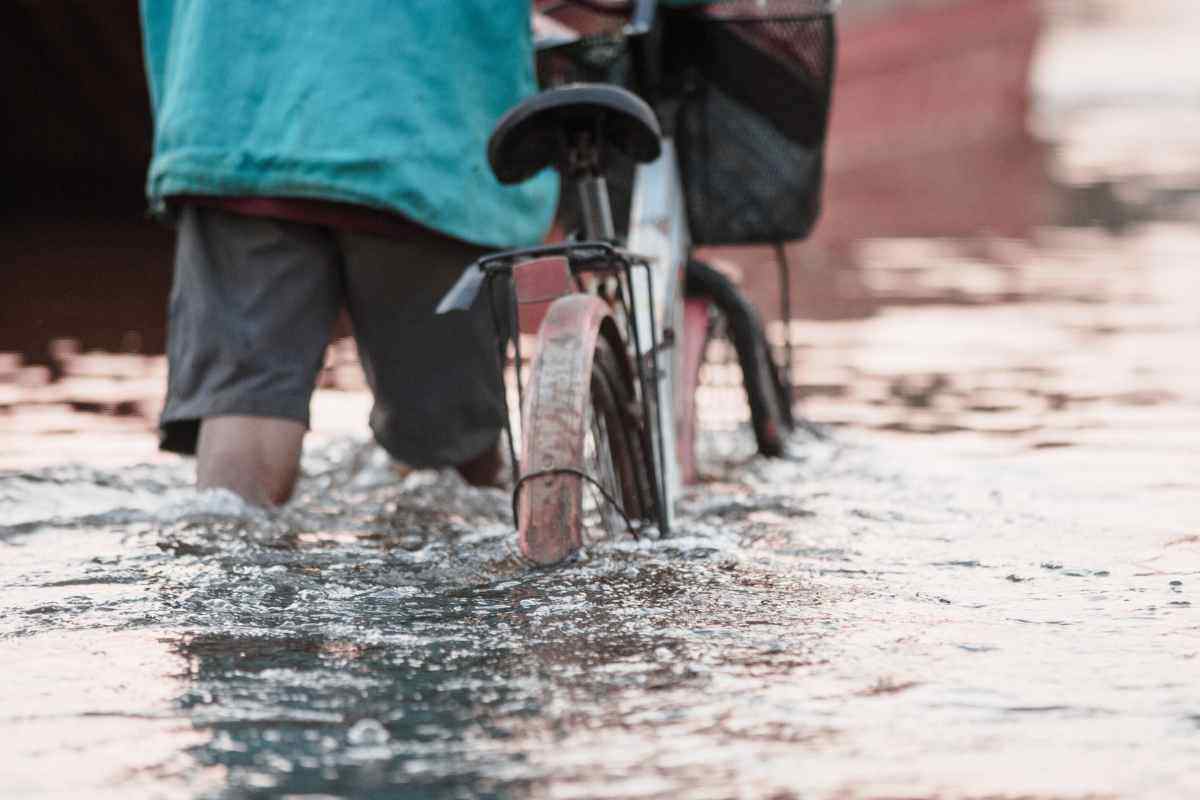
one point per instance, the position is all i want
(854, 622)
(982, 585)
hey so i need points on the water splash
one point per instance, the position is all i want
(379, 633)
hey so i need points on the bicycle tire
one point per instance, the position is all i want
(580, 391)
(766, 393)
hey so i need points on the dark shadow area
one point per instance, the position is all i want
(928, 138)
(80, 257)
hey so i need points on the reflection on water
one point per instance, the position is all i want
(982, 586)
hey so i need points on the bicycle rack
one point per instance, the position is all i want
(587, 257)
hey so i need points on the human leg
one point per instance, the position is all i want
(255, 457)
(252, 307)
(436, 378)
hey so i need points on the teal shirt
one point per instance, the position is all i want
(383, 103)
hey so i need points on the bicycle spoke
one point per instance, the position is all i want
(601, 519)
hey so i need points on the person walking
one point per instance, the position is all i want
(316, 156)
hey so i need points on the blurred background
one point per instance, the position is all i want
(1005, 266)
(992, 598)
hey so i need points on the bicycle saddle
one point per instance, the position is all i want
(539, 132)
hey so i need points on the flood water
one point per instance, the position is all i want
(982, 584)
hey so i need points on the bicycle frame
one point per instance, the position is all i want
(651, 268)
(658, 230)
(638, 286)
(649, 272)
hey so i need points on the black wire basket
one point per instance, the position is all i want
(753, 80)
(744, 87)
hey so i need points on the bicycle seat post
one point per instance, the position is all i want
(574, 129)
(584, 163)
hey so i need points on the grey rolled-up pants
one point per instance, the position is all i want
(252, 308)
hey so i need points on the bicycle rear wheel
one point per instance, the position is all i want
(767, 394)
(587, 469)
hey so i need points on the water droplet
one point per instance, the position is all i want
(367, 732)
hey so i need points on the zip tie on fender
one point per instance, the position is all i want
(634, 530)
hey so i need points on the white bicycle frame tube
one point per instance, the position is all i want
(658, 229)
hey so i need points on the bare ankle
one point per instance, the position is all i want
(257, 458)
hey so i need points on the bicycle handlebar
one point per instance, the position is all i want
(641, 13)
(635, 37)
(643, 17)
(619, 8)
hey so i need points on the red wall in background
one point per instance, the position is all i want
(929, 134)
(928, 139)
(78, 257)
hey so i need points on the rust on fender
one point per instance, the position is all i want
(557, 396)
(539, 283)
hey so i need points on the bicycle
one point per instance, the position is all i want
(622, 318)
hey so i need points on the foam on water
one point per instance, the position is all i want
(380, 632)
(997, 603)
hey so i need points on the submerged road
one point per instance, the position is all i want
(850, 623)
(983, 586)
